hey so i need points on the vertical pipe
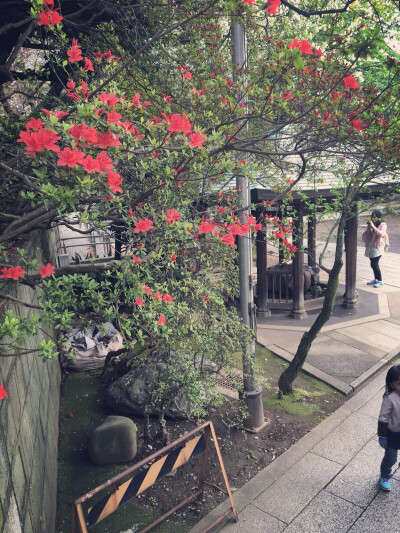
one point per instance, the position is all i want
(350, 295)
(252, 394)
(298, 267)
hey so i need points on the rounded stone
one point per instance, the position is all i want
(114, 441)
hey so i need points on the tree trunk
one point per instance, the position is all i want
(289, 375)
(163, 427)
(146, 427)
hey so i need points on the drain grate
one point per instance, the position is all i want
(229, 384)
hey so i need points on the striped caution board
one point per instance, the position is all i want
(146, 479)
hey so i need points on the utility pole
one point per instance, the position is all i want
(251, 394)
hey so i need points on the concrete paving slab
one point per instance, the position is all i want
(288, 340)
(364, 347)
(386, 328)
(382, 515)
(340, 360)
(356, 483)
(254, 520)
(372, 407)
(325, 514)
(347, 439)
(394, 304)
(296, 487)
(365, 334)
(334, 382)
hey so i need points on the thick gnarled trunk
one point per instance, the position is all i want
(288, 376)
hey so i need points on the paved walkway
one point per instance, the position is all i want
(328, 481)
(325, 483)
(355, 343)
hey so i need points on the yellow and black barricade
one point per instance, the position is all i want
(173, 456)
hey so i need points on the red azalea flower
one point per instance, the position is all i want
(49, 18)
(228, 238)
(206, 226)
(205, 298)
(47, 270)
(88, 65)
(70, 158)
(131, 213)
(273, 6)
(60, 114)
(12, 273)
(136, 259)
(167, 298)
(173, 257)
(3, 393)
(294, 44)
(196, 140)
(157, 295)
(172, 216)
(136, 102)
(286, 96)
(113, 116)
(114, 181)
(178, 124)
(107, 139)
(161, 321)
(143, 225)
(34, 124)
(108, 98)
(105, 162)
(91, 165)
(139, 302)
(350, 82)
(75, 53)
(305, 47)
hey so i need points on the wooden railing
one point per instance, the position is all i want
(279, 284)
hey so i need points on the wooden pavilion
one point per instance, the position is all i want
(269, 282)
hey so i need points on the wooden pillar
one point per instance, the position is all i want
(262, 285)
(350, 295)
(281, 253)
(298, 267)
(311, 242)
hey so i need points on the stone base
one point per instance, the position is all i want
(253, 401)
(298, 314)
(350, 303)
(263, 312)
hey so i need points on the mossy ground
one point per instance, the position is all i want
(77, 475)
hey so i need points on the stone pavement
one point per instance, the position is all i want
(355, 343)
(325, 483)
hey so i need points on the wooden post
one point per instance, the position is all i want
(311, 242)
(298, 311)
(262, 285)
(350, 296)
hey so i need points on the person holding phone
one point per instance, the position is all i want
(375, 239)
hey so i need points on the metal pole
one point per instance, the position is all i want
(252, 395)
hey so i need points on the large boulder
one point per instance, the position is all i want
(114, 441)
(134, 393)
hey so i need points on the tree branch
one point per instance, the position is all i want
(15, 300)
(309, 14)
